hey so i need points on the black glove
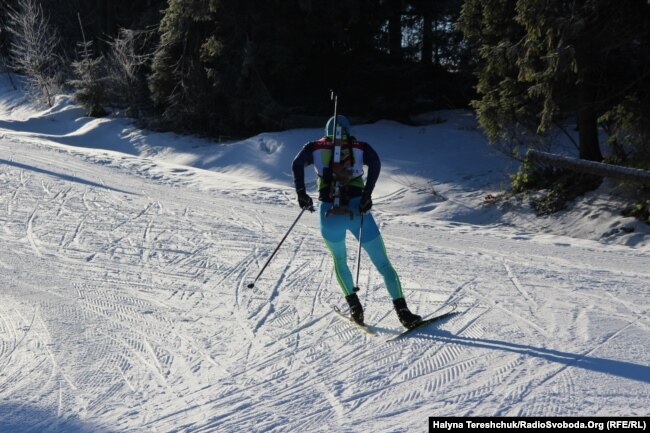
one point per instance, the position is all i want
(366, 202)
(305, 201)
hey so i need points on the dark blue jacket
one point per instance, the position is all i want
(306, 157)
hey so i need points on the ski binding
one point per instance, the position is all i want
(451, 310)
(364, 328)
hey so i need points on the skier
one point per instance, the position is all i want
(355, 201)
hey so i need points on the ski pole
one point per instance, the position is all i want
(334, 97)
(251, 285)
(357, 288)
(336, 150)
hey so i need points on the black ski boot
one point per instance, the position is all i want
(406, 318)
(356, 310)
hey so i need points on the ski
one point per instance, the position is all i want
(364, 328)
(450, 310)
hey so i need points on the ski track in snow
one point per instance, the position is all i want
(124, 308)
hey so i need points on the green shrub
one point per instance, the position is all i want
(562, 186)
(531, 177)
(640, 210)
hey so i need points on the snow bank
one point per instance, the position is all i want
(437, 173)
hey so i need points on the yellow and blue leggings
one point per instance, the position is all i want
(334, 228)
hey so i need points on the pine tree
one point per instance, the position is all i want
(91, 80)
(565, 58)
(179, 84)
(506, 110)
(227, 66)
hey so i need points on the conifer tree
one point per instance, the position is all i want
(505, 110)
(90, 82)
(561, 58)
(179, 85)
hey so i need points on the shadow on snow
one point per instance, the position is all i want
(624, 369)
(65, 177)
(23, 418)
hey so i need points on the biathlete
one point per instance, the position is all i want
(355, 202)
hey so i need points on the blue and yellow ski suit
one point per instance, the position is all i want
(334, 227)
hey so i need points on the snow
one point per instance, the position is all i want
(126, 254)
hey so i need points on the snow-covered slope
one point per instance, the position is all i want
(126, 254)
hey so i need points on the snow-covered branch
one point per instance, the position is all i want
(598, 168)
(34, 45)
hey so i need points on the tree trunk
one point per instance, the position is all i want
(587, 61)
(588, 126)
(105, 18)
(395, 29)
(427, 37)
